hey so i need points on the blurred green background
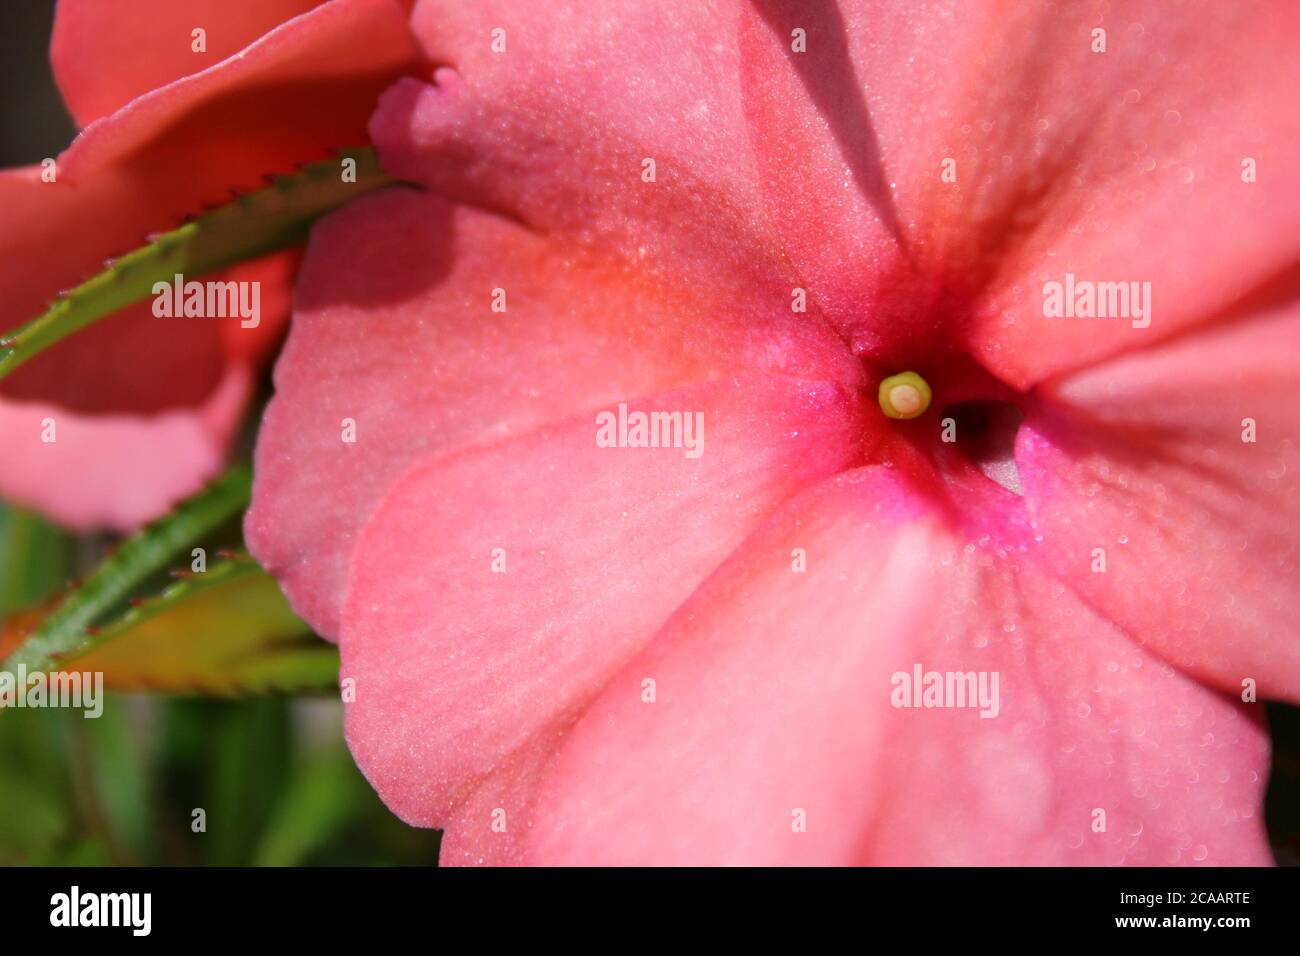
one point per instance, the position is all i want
(272, 775)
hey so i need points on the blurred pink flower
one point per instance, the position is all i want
(149, 408)
(563, 653)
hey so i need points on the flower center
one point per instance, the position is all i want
(905, 395)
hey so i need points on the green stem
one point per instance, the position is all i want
(63, 634)
(252, 226)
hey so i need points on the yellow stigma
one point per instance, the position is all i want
(904, 395)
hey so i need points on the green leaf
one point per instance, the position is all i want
(254, 224)
(35, 788)
(318, 800)
(107, 763)
(227, 630)
(63, 634)
(248, 762)
(33, 831)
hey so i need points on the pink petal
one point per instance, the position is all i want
(107, 54)
(557, 129)
(1115, 166)
(490, 826)
(773, 695)
(458, 668)
(116, 471)
(1144, 458)
(148, 405)
(1147, 182)
(98, 369)
(302, 89)
(136, 363)
(394, 329)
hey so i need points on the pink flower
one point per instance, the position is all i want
(567, 653)
(168, 131)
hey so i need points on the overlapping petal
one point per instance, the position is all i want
(97, 46)
(293, 94)
(153, 403)
(395, 331)
(1166, 485)
(53, 455)
(624, 130)
(1001, 150)
(497, 587)
(775, 735)
(834, 146)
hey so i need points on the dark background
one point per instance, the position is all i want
(33, 122)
